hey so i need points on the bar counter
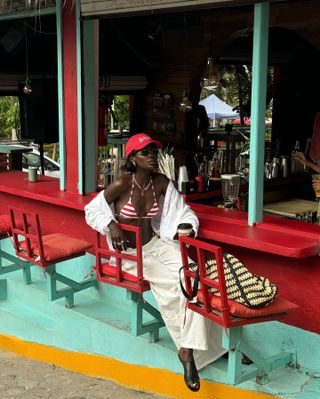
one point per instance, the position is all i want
(58, 210)
(273, 235)
(46, 189)
(283, 250)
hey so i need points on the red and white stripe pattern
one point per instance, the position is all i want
(128, 210)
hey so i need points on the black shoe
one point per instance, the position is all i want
(191, 377)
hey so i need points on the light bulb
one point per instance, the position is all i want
(27, 89)
(185, 105)
(210, 79)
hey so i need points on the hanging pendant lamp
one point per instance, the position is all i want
(27, 88)
(185, 105)
(211, 77)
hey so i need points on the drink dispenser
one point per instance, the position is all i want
(230, 189)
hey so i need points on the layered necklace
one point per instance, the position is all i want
(142, 190)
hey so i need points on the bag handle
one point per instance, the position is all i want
(195, 283)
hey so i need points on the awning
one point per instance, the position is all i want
(218, 109)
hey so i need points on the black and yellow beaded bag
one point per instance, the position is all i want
(242, 286)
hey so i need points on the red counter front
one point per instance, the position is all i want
(58, 210)
(283, 250)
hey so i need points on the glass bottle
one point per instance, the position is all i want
(296, 147)
(294, 162)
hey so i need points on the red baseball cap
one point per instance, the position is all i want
(139, 141)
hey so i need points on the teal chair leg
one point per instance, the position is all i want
(138, 326)
(259, 369)
(230, 340)
(3, 290)
(67, 292)
(17, 264)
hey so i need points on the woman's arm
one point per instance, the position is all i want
(99, 213)
(300, 156)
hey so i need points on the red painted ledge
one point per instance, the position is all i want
(274, 235)
(46, 189)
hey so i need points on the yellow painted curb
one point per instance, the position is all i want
(144, 378)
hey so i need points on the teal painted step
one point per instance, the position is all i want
(100, 322)
(306, 395)
(91, 326)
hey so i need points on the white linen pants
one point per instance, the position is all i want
(161, 263)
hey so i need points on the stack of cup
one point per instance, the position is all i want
(182, 177)
(230, 189)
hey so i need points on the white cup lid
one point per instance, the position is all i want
(230, 176)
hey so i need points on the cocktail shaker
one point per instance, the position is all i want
(284, 165)
(275, 168)
(267, 170)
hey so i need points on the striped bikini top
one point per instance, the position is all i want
(128, 211)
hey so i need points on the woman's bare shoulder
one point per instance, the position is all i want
(161, 181)
(117, 188)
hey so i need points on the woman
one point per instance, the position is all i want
(149, 200)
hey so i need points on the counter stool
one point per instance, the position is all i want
(46, 251)
(16, 263)
(109, 269)
(232, 315)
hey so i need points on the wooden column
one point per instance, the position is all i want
(90, 95)
(70, 100)
(258, 108)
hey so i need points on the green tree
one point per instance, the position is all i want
(235, 89)
(121, 111)
(9, 115)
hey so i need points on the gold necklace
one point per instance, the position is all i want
(142, 190)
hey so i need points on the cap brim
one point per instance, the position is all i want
(155, 142)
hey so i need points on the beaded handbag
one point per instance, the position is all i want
(242, 286)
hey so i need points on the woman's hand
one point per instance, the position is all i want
(118, 238)
(300, 156)
(191, 234)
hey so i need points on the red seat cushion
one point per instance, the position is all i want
(111, 271)
(58, 246)
(278, 306)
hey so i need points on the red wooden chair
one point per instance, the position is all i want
(109, 269)
(16, 264)
(46, 251)
(230, 314)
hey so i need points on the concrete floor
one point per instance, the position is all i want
(30, 379)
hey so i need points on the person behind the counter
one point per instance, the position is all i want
(197, 125)
(142, 197)
(300, 156)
